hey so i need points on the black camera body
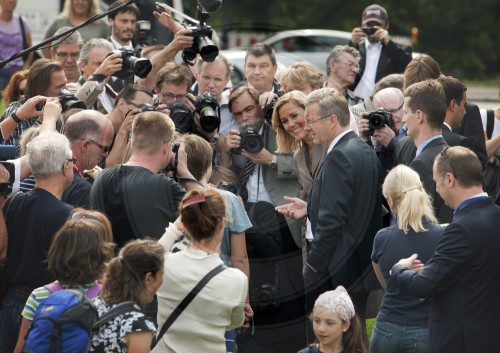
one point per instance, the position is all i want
(268, 112)
(251, 142)
(8, 152)
(202, 44)
(378, 119)
(207, 107)
(132, 65)
(369, 31)
(182, 117)
(70, 101)
(144, 107)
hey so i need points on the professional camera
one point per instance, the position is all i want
(8, 152)
(132, 65)
(228, 187)
(378, 119)
(206, 106)
(268, 112)
(369, 31)
(202, 43)
(69, 101)
(143, 37)
(144, 107)
(182, 117)
(251, 141)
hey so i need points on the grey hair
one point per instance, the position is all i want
(47, 154)
(87, 124)
(73, 38)
(330, 102)
(337, 52)
(92, 44)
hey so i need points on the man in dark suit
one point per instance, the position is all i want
(463, 276)
(472, 127)
(380, 55)
(424, 111)
(344, 207)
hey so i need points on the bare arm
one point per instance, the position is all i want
(239, 256)
(492, 146)
(378, 273)
(25, 325)
(139, 342)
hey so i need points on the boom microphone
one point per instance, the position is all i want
(210, 6)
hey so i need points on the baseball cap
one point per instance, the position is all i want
(375, 13)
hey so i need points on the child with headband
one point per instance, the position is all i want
(335, 324)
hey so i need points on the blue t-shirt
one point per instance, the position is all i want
(389, 246)
(238, 222)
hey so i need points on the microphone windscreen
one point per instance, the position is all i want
(210, 6)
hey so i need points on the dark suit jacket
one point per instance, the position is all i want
(406, 149)
(345, 212)
(422, 164)
(472, 127)
(393, 60)
(463, 279)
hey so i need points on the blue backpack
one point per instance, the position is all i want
(64, 321)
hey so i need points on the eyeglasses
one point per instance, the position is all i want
(72, 159)
(393, 111)
(443, 154)
(351, 65)
(310, 122)
(64, 55)
(170, 96)
(105, 149)
(82, 215)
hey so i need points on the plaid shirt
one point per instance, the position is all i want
(15, 136)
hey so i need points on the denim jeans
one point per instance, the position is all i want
(10, 319)
(388, 337)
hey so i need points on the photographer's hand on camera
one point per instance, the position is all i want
(381, 35)
(357, 35)
(263, 157)
(110, 65)
(163, 108)
(29, 108)
(183, 39)
(363, 127)
(384, 135)
(267, 98)
(51, 112)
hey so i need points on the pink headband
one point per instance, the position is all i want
(338, 301)
(198, 198)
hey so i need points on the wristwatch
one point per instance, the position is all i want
(274, 162)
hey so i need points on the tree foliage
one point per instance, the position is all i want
(462, 35)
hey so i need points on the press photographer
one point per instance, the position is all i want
(381, 128)
(46, 78)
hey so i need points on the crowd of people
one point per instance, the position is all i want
(271, 215)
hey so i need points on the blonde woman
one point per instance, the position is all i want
(402, 321)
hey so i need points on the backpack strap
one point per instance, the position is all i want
(118, 310)
(93, 291)
(490, 122)
(54, 287)
(185, 302)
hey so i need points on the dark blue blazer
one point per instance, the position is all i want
(345, 212)
(463, 280)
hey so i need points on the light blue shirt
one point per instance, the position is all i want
(426, 142)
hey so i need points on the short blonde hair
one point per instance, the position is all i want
(284, 141)
(408, 195)
(150, 130)
(302, 72)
